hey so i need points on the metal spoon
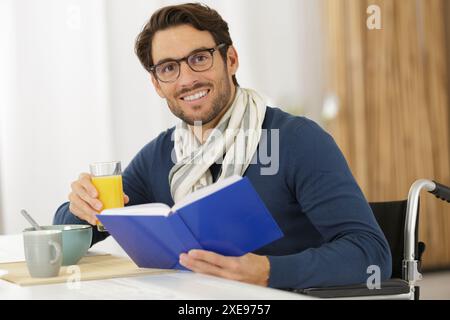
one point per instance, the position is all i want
(30, 219)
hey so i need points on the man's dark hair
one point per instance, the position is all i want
(199, 16)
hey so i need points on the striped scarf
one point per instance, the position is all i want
(233, 143)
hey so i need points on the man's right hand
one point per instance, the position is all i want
(84, 201)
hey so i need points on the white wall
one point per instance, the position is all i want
(60, 119)
(7, 80)
(281, 50)
(73, 92)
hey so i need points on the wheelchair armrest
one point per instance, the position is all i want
(388, 288)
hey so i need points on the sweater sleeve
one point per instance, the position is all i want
(134, 185)
(331, 199)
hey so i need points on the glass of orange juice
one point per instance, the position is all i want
(107, 179)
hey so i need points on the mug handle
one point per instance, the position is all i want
(57, 248)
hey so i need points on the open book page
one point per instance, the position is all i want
(202, 193)
(150, 209)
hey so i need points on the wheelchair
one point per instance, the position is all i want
(399, 221)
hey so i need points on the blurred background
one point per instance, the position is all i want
(374, 73)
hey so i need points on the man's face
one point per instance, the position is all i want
(179, 42)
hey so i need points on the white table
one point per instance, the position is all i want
(171, 286)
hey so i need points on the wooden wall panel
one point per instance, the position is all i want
(393, 124)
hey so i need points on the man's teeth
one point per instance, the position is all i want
(196, 96)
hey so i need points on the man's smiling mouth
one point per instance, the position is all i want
(196, 96)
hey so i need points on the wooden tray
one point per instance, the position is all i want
(90, 268)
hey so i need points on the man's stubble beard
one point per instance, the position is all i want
(218, 104)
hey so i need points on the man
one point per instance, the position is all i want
(331, 236)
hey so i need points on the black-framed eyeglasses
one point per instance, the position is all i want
(199, 61)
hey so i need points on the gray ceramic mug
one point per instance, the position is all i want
(43, 252)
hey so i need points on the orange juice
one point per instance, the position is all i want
(110, 191)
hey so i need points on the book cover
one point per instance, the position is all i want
(228, 218)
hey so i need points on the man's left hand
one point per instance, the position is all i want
(249, 268)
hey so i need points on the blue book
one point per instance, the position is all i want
(228, 218)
